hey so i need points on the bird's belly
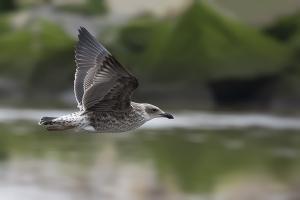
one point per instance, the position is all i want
(115, 127)
(89, 128)
(115, 123)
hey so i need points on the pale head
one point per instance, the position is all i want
(152, 112)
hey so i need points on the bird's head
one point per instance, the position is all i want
(155, 112)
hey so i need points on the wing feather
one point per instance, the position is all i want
(86, 53)
(101, 82)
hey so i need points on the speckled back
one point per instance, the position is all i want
(116, 121)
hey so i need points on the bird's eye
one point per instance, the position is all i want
(154, 110)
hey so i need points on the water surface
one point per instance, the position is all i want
(163, 164)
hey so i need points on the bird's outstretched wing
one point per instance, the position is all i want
(101, 82)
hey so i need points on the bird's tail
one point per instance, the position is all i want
(46, 120)
(53, 125)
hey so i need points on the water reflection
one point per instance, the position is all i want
(167, 164)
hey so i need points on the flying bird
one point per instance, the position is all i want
(103, 90)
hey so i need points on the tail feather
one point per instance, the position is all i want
(46, 120)
(54, 125)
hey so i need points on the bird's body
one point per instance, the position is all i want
(103, 89)
(104, 121)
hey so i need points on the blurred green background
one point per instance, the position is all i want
(217, 56)
(210, 51)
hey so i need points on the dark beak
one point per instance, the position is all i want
(167, 115)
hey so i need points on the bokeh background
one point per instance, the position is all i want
(229, 70)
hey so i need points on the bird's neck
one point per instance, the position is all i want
(139, 108)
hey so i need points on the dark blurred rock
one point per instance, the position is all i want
(238, 93)
(7, 5)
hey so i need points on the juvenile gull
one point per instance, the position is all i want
(103, 89)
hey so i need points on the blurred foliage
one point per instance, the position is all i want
(202, 48)
(31, 56)
(207, 45)
(17, 54)
(211, 46)
(139, 44)
(7, 5)
(193, 54)
(285, 28)
(4, 24)
(54, 71)
(90, 7)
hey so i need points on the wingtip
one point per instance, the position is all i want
(82, 30)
